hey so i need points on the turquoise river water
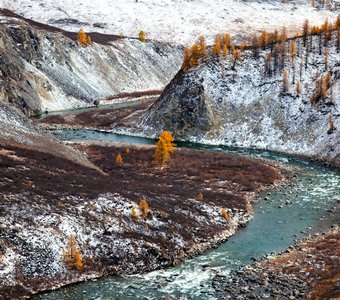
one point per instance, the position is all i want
(279, 218)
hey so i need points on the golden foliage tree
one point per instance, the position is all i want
(195, 54)
(328, 79)
(226, 40)
(264, 39)
(292, 51)
(89, 40)
(134, 214)
(119, 159)
(72, 256)
(320, 90)
(285, 81)
(323, 88)
(200, 197)
(326, 30)
(217, 46)
(225, 214)
(225, 50)
(82, 38)
(144, 208)
(203, 46)
(142, 36)
(164, 147)
(298, 89)
(186, 59)
(237, 56)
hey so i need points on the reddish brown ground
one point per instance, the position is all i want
(101, 118)
(37, 183)
(96, 36)
(317, 262)
(230, 177)
(222, 178)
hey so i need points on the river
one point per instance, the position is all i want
(279, 218)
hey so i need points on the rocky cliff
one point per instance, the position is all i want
(43, 70)
(248, 107)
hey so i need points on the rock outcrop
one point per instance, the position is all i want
(43, 70)
(246, 107)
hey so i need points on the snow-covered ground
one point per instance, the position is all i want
(213, 103)
(173, 20)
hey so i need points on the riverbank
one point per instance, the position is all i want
(100, 118)
(309, 270)
(65, 199)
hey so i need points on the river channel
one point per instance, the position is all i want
(280, 217)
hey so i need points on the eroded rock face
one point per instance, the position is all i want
(41, 70)
(183, 107)
(246, 107)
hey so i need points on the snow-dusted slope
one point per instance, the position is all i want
(244, 107)
(41, 70)
(172, 20)
(18, 131)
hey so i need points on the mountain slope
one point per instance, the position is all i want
(245, 107)
(173, 20)
(42, 70)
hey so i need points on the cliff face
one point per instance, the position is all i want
(42, 70)
(246, 107)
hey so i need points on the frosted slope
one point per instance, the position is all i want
(172, 20)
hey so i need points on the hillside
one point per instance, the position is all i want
(248, 106)
(52, 194)
(44, 70)
(172, 20)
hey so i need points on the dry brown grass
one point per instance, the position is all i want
(317, 261)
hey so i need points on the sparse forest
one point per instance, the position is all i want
(289, 56)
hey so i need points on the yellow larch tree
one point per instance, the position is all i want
(142, 36)
(225, 50)
(72, 256)
(195, 54)
(292, 51)
(285, 81)
(144, 208)
(328, 79)
(89, 40)
(164, 148)
(264, 39)
(217, 46)
(237, 56)
(298, 89)
(134, 214)
(82, 38)
(276, 36)
(186, 59)
(203, 46)
(225, 214)
(119, 159)
(200, 197)
(226, 40)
